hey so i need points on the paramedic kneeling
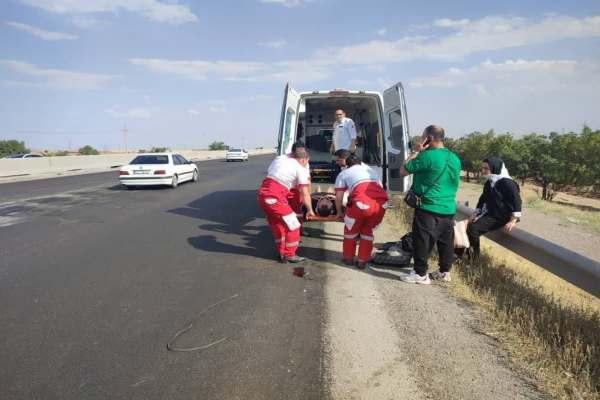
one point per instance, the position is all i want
(365, 208)
(284, 173)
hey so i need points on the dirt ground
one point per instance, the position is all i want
(559, 230)
(386, 339)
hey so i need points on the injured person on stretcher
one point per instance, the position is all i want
(364, 211)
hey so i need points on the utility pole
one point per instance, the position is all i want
(125, 137)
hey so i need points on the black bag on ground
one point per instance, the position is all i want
(407, 243)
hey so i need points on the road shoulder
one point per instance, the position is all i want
(387, 339)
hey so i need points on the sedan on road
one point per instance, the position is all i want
(28, 155)
(158, 169)
(236, 155)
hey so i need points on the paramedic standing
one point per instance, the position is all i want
(284, 173)
(365, 210)
(295, 198)
(344, 133)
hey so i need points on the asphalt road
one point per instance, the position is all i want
(95, 280)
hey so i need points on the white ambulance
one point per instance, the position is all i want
(381, 124)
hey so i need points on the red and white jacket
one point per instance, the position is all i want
(289, 172)
(362, 183)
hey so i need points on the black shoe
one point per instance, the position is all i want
(295, 259)
(361, 265)
(282, 259)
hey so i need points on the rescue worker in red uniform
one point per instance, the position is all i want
(284, 173)
(365, 209)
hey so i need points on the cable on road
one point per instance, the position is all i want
(170, 343)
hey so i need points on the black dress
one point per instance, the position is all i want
(495, 207)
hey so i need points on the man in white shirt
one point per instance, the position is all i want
(344, 133)
(284, 173)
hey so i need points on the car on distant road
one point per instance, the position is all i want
(23, 156)
(236, 155)
(158, 169)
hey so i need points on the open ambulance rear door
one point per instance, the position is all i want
(397, 137)
(288, 121)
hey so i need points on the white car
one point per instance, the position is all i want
(236, 155)
(158, 169)
(15, 156)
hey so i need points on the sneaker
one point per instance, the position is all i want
(441, 276)
(349, 262)
(413, 277)
(282, 259)
(295, 259)
(361, 264)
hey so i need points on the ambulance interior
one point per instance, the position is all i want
(315, 122)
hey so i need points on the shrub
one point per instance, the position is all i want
(88, 150)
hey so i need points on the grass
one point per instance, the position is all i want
(550, 327)
(568, 213)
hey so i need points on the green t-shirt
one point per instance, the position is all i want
(426, 168)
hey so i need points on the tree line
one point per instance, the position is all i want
(555, 161)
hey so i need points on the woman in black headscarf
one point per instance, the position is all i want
(499, 205)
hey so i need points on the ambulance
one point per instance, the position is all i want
(381, 124)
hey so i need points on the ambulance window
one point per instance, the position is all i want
(290, 118)
(397, 131)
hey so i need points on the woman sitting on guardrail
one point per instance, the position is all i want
(499, 205)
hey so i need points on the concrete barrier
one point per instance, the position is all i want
(44, 167)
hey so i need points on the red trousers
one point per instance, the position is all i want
(295, 201)
(273, 199)
(361, 218)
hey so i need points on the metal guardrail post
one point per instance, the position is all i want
(579, 270)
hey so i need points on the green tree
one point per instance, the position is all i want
(88, 150)
(218, 146)
(159, 150)
(590, 143)
(472, 149)
(8, 147)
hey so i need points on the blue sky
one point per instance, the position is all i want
(185, 73)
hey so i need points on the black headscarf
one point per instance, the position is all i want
(495, 164)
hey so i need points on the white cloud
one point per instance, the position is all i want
(521, 75)
(132, 113)
(287, 3)
(466, 37)
(217, 109)
(154, 10)
(381, 32)
(193, 112)
(451, 23)
(86, 22)
(459, 38)
(58, 78)
(201, 69)
(41, 33)
(274, 44)
(519, 96)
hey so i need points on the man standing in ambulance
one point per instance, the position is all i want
(284, 173)
(344, 133)
(365, 209)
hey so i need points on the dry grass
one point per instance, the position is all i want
(548, 325)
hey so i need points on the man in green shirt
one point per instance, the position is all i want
(436, 174)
